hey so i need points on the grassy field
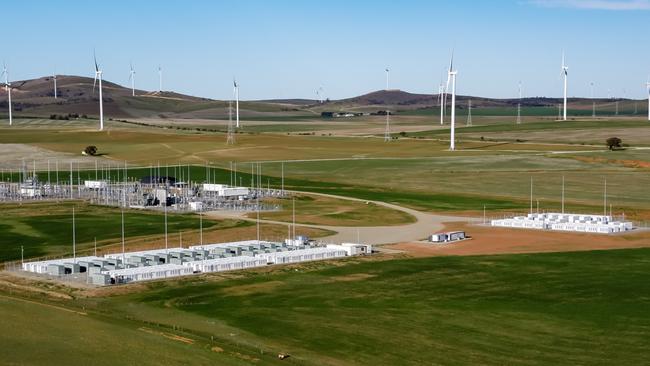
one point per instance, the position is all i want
(58, 332)
(45, 229)
(318, 210)
(534, 309)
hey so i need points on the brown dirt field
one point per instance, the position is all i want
(623, 162)
(488, 240)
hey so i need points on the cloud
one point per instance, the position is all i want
(595, 4)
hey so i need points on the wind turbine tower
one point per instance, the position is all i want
(441, 100)
(132, 78)
(98, 76)
(593, 102)
(55, 92)
(8, 89)
(451, 78)
(519, 106)
(160, 79)
(565, 73)
(236, 92)
(647, 85)
(387, 73)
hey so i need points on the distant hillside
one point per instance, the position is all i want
(75, 95)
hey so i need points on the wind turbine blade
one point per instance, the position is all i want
(95, 58)
(94, 82)
(451, 62)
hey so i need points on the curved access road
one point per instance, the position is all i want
(425, 224)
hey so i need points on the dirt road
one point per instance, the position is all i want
(425, 225)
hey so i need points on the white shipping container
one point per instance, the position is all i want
(95, 184)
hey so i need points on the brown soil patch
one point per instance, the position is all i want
(624, 162)
(353, 277)
(488, 240)
(171, 336)
(255, 288)
(216, 349)
(15, 283)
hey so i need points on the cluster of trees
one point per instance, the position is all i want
(90, 150)
(614, 143)
(66, 116)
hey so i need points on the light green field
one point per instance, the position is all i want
(535, 309)
(420, 173)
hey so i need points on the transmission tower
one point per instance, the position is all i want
(469, 113)
(231, 130)
(387, 137)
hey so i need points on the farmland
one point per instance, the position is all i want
(534, 309)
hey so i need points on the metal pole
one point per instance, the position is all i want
(74, 240)
(562, 194)
(123, 259)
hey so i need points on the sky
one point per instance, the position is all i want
(288, 49)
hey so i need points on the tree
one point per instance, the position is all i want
(614, 143)
(90, 150)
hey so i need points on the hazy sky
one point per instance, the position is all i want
(286, 49)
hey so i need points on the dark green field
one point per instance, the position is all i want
(45, 229)
(535, 309)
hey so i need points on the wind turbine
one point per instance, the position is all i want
(647, 85)
(519, 106)
(441, 99)
(132, 78)
(98, 76)
(159, 79)
(8, 89)
(565, 72)
(593, 102)
(451, 77)
(55, 92)
(236, 92)
(387, 72)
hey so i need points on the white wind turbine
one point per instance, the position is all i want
(132, 79)
(647, 85)
(387, 73)
(159, 79)
(8, 89)
(565, 73)
(55, 92)
(236, 95)
(441, 101)
(451, 77)
(519, 106)
(98, 76)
